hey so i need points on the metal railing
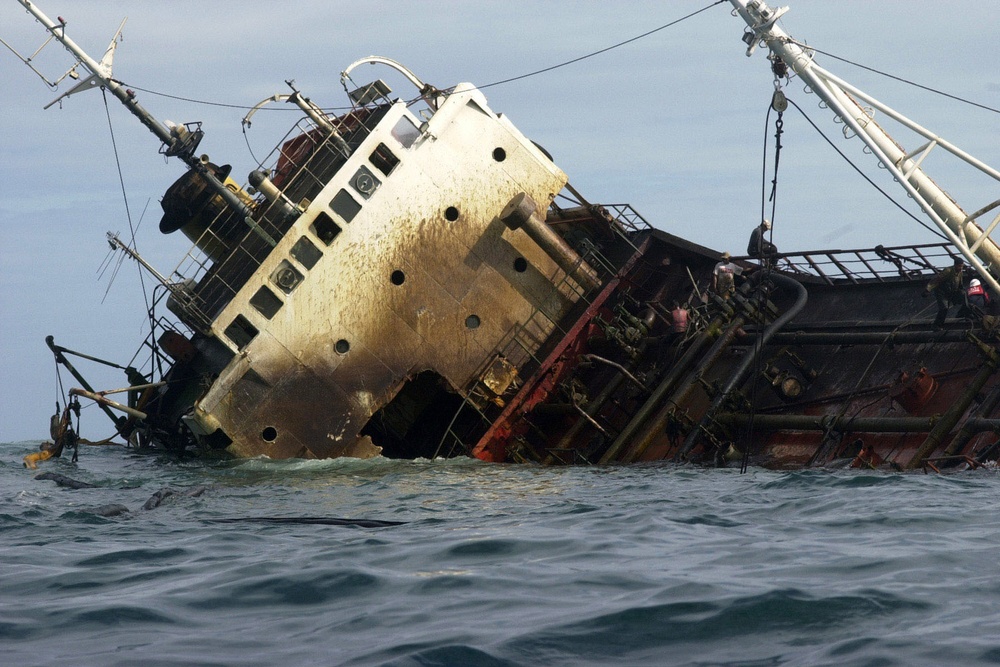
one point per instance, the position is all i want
(522, 344)
(882, 264)
(628, 217)
(302, 164)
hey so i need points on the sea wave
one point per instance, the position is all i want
(382, 562)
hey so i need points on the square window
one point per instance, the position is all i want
(383, 159)
(266, 302)
(343, 204)
(324, 228)
(305, 253)
(241, 332)
(405, 132)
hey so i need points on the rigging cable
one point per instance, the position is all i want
(778, 125)
(121, 179)
(155, 366)
(865, 176)
(768, 264)
(897, 78)
(489, 85)
(584, 57)
(745, 460)
(114, 272)
(260, 165)
(604, 50)
(193, 100)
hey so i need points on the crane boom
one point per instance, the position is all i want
(961, 229)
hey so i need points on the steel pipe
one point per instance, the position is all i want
(868, 337)
(824, 423)
(740, 373)
(105, 401)
(522, 213)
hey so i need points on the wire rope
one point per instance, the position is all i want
(128, 213)
(897, 78)
(489, 85)
(604, 50)
(865, 176)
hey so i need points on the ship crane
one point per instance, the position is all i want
(969, 238)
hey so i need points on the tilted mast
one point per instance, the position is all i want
(961, 229)
(179, 141)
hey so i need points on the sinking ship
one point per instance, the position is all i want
(416, 278)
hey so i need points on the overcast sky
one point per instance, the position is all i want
(672, 123)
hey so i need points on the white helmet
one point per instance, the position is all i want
(974, 282)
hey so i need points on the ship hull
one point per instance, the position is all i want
(858, 375)
(418, 279)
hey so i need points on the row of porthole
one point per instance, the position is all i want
(398, 277)
(342, 346)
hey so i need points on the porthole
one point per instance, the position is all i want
(451, 214)
(397, 277)
(342, 346)
(269, 434)
(286, 277)
(499, 154)
(472, 322)
(364, 182)
(520, 265)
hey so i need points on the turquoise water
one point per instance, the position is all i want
(494, 565)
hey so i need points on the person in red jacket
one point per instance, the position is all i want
(976, 296)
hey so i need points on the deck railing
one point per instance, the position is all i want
(520, 347)
(916, 262)
(302, 164)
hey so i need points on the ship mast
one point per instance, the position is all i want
(961, 229)
(178, 140)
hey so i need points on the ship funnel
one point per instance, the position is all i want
(191, 206)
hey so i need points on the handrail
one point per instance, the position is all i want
(882, 264)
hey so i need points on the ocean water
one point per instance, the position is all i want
(493, 565)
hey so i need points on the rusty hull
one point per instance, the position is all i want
(426, 295)
(860, 377)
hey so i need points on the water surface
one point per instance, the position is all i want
(494, 565)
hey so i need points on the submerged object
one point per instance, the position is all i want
(313, 521)
(64, 481)
(402, 280)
